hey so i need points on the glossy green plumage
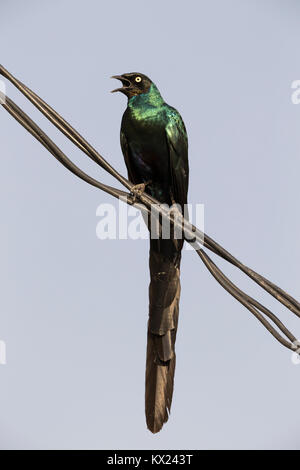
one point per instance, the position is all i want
(146, 105)
(155, 147)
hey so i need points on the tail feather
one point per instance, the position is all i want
(164, 293)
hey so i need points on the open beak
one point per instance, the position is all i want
(125, 83)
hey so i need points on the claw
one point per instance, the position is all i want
(137, 190)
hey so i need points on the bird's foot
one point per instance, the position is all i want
(137, 190)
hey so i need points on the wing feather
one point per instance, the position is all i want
(178, 154)
(126, 152)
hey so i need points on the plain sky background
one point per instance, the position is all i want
(73, 309)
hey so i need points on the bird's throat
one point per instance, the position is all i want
(146, 102)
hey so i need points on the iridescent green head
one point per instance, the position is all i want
(133, 84)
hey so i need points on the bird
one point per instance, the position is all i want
(154, 144)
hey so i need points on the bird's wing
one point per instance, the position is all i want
(178, 153)
(126, 153)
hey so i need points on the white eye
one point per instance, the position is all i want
(138, 79)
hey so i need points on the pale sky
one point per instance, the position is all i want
(73, 308)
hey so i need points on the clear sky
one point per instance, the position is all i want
(73, 308)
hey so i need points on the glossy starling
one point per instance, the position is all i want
(155, 148)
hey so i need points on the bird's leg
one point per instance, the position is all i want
(137, 190)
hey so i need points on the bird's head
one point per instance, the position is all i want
(133, 84)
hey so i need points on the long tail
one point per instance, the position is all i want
(164, 293)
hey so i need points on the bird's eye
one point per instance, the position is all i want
(138, 79)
